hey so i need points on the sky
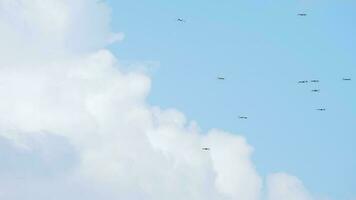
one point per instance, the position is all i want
(263, 49)
(115, 99)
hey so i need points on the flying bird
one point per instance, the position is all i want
(221, 78)
(315, 90)
(321, 109)
(302, 14)
(302, 81)
(346, 79)
(242, 117)
(205, 148)
(181, 20)
(314, 81)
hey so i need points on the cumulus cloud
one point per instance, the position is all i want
(283, 186)
(74, 124)
(49, 29)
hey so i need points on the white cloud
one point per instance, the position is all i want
(58, 84)
(48, 29)
(283, 186)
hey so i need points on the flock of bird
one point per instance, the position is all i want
(318, 90)
(183, 20)
(221, 78)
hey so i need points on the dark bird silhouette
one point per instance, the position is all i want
(181, 20)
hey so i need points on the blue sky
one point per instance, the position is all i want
(263, 49)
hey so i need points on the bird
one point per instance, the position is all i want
(314, 81)
(181, 20)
